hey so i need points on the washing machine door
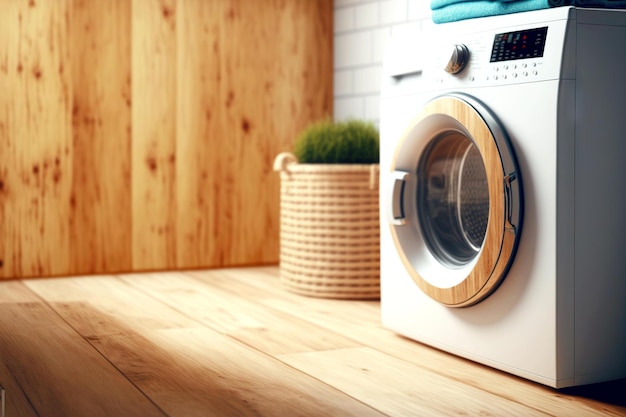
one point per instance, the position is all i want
(454, 200)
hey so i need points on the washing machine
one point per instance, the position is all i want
(503, 192)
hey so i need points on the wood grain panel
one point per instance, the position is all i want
(5, 143)
(204, 150)
(270, 91)
(100, 67)
(154, 134)
(35, 138)
(139, 134)
(251, 75)
(101, 212)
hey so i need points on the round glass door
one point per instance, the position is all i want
(455, 201)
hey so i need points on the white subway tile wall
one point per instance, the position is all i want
(362, 28)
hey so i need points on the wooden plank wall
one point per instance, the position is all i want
(140, 134)
(154, 134)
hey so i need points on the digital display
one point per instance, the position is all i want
(522, 44)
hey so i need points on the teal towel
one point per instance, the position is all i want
(603, 4)
(438, 4)
(468, 9)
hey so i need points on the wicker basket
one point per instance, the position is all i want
(329, 229)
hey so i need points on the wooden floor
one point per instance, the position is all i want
(233, 343)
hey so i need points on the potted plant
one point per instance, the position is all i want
(329, 223)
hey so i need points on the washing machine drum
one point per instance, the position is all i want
(454, 200)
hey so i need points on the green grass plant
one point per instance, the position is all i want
(348, 142)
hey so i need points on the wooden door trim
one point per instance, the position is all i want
(499, 244)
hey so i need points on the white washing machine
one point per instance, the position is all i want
(503, 192)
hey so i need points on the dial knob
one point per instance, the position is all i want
(458, 60)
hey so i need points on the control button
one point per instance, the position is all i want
(458, 59)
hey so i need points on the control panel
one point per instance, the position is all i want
(521, 44)
(522, 54)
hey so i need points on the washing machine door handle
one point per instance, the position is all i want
(512, 205)
(395, 198)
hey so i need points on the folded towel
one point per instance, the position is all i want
(481, 8)
(438, 4)
(604, 4)
(444, 11)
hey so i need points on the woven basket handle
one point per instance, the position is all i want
(374, 172)
(283, 160)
